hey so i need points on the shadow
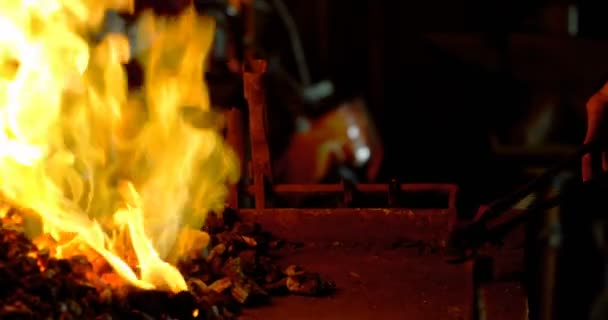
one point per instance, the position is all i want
(437, 124)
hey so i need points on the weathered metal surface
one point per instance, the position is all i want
(376, 284)
(382, 226)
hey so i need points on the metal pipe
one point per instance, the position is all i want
(450, 190)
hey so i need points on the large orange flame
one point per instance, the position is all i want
(97, 164)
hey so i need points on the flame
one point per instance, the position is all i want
(104, 168)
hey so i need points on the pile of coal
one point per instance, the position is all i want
(241, 268)
(238, 270)
(34, 285)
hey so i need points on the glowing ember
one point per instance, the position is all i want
(115, 172)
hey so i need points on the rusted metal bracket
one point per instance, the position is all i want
(260, 158)
(260, 154)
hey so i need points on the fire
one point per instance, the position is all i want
(103, 168)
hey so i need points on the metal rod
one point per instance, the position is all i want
(499, 230)
(549, 262)
(255, 95)
(450, 190)
(497, 207)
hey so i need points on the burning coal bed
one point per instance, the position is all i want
(239, 270)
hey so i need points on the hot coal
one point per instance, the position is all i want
(238, 270)
(240, 267)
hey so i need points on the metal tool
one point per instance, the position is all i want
(467, 237)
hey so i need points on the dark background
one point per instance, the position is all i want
(457, 87)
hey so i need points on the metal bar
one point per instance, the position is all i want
(260, 156)
(549, 266)
(394, 189)
(497, 207)
(551, 247)
(449, 189)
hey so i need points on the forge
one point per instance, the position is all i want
(123, 203)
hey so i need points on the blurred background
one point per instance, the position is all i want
(483, 94)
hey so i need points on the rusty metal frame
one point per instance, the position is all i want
(259, 170)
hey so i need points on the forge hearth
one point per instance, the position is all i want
(385, 263)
